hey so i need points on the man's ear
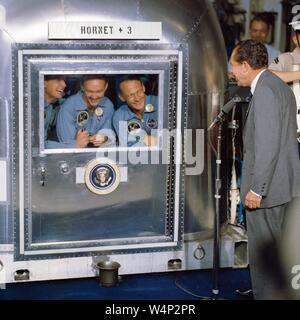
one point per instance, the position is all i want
(143, 88)
(121, 97)
(246, 66)
(106, 86)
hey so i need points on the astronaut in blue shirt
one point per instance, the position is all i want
(85, 119)
(136, 120)
(54, 86)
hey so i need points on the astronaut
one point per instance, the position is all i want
(54, 86)
(135, 120)
(85, 119)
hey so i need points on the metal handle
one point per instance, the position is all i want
(43, 176)
(64, 168)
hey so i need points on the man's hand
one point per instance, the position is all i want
(98, 139)
(252, 201)
(82, 139)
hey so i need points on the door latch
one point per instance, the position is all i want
(43, 176)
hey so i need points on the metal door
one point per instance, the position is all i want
(55, 214)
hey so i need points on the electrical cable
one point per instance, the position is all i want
(191, 293)
(234, 191)
(211, 145)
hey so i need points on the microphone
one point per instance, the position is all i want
(224, 111)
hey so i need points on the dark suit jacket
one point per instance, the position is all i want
(271, 164)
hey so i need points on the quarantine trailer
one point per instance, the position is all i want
(154, 211)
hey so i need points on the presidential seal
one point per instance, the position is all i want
(102, 176)
(149, 107)
(82, 118)
(98, 112)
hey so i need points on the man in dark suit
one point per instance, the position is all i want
(271, 168)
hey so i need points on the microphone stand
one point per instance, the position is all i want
(216, 246)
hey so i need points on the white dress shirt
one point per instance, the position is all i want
(252, 89)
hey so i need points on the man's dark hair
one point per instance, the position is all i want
(261, 17)
(54, 77)
(253, 52)
(87, 77)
